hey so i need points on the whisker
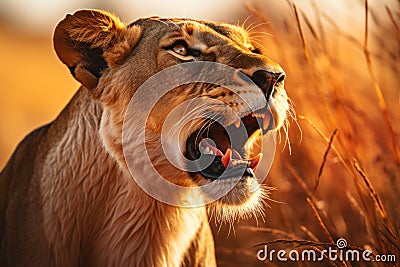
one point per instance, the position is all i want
(245, 21)
(251, 30)
(292, 114)
(261, 35)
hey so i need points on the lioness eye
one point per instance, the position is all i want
(180, 49)
(256, 51)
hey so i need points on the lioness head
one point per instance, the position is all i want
(113, 60)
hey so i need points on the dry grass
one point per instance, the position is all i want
(345, 87)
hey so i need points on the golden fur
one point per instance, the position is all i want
(67, 197)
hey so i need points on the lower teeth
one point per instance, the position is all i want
(238, 162)
(206, 150)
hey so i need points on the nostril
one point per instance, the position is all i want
(267, 80)
(281, 78)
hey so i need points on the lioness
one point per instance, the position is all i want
(67, 196)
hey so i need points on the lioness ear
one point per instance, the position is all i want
(89, 41)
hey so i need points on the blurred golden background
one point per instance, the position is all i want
(338, 176)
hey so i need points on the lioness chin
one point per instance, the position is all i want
(67, 193)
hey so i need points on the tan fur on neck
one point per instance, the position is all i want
(95, 209)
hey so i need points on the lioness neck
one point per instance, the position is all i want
(96, 210)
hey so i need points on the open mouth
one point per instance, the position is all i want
(225, 148)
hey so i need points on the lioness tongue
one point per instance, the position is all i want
(226, 159)
(252, 163)
(232, 157)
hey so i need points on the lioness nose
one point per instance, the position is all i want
(267, 81)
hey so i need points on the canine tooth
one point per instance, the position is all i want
(259, 115)
(266, 122)
(226, 159)
(215, 151)
(207, 150)
(255, 161)
(237, 123)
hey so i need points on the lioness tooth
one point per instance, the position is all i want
(226, 159)
(207, 150)
(212, 149)
(215, 151)
(266, 122)
(237, 123)
(255, 161)
(259, 115)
